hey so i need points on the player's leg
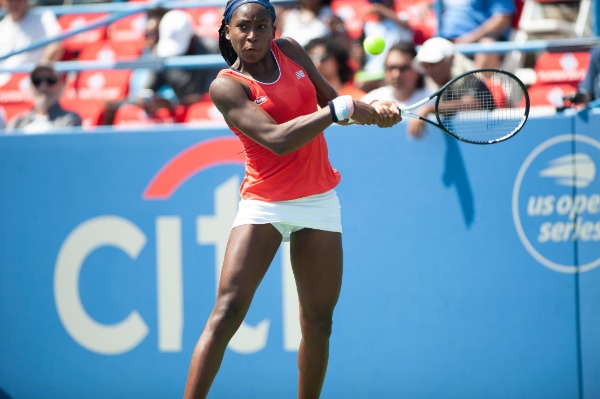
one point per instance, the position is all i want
(317, 263)
(249, 253)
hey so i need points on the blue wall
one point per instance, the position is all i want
(468, 273)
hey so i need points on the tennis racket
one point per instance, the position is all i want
(484, 106)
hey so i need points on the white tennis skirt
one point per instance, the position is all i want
(320, 212)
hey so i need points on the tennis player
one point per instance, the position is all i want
(276, 102)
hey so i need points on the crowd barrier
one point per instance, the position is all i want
(470, 271)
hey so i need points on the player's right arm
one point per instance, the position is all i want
(231, 97)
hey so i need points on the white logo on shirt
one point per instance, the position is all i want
(261, 100)
(300, 74)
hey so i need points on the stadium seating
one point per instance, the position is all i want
(204, 113)
(557, 74)
(420, 14)
(15, 97)
(134, 115)
(128, 31)
(206, 21)
(90, 111)
(75, 43)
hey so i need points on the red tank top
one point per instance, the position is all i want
(301, 173)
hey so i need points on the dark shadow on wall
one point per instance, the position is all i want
(455, 175)
(4, 395)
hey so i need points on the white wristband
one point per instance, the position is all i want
(343, 107)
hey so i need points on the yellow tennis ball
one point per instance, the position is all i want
(374, 44)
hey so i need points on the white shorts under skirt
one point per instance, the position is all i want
(321, 212)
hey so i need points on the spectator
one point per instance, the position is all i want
(380, 19)
(21, 27)
(169, 34)
(311, 19)
(402, 83)
(47, 114)
(333, 62)
(176, 37)
(141, 76)
(589, 88)
(440, 62)
(474, 21)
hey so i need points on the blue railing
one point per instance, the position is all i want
(122, 10)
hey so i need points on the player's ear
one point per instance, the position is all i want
(227, 35)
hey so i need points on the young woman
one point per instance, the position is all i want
(270, 97)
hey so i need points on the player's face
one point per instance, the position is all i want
(251, 31)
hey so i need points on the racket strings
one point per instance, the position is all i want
(484, 106)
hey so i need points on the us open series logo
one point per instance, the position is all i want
(556, 203)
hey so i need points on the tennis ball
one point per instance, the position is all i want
(374, 44)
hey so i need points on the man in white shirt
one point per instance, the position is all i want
(403, 83)
(22, 27)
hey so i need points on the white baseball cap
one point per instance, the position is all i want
(174, 33)
(434, 50)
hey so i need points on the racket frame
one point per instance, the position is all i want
(438, 96)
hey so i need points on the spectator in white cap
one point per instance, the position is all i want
(440, 62)
(176, 37)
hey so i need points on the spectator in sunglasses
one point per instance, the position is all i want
(333, 61)
(47, 114)
(403, 83)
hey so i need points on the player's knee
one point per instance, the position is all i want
(321, 326)
(227, 315)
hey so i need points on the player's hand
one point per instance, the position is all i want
(364, 114)
(388, 111)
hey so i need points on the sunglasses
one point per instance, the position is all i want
(320, 58)
(50, 80)
(400, 68)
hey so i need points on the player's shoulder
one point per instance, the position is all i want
(227, 85)
(290, 47)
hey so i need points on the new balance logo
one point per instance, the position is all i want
(300, 74)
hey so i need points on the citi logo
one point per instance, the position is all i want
(556, 203)
(300, 74)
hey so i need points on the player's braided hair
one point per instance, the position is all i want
(225, 45)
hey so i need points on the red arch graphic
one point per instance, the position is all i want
(190, 161)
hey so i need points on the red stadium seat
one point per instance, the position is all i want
(566, 67)
(14, 88)
(351, 12)
(134, 115)
(107, 50)
(550, 94)
(90, 111)
(74, 21)
(129, 31)
(206, 21)
(106, 85)
(204, 113)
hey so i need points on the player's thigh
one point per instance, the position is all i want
(250, 251)
(317, 261)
